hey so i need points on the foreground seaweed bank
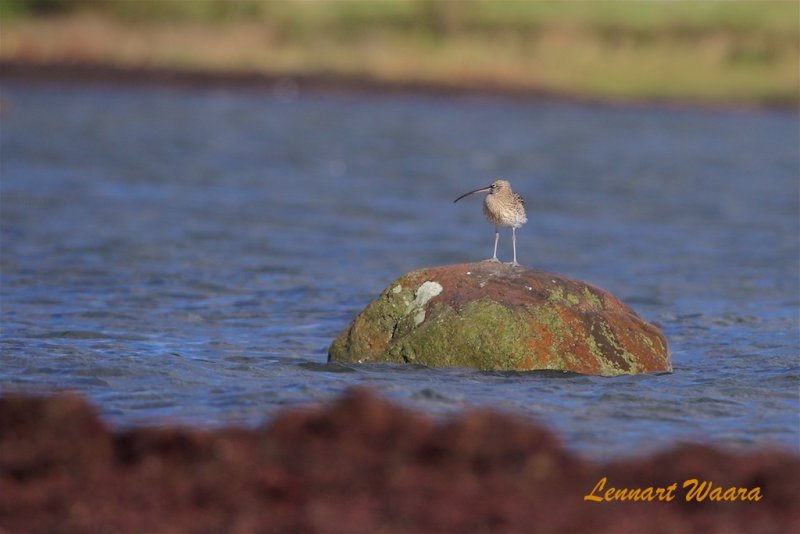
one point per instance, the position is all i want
(362, 464)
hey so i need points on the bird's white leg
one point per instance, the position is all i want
(514, 245)
(496, 239)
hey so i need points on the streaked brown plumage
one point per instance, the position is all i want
(503, 207)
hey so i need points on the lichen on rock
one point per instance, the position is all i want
(426, 292)
(496, 317)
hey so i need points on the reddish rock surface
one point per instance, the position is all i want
(359, 464)
(494, 316)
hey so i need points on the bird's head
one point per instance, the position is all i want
(497, 185)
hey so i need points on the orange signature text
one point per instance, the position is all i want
(696, 490)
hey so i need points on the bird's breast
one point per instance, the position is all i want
(501, 211)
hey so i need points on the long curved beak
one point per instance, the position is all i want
(481, 190)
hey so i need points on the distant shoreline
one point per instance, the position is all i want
(672, 55)
(286, 85)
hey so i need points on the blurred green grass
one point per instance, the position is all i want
(736, 51)
(779, 16)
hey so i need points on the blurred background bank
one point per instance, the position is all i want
(743, 52)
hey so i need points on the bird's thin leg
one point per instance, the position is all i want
(514, 244)
(496, 239)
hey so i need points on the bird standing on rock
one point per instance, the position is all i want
(502, 207)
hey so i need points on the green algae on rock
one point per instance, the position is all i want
(493, 316)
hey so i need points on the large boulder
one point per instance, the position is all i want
(493, 316)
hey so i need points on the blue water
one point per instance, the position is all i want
(188, 255)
